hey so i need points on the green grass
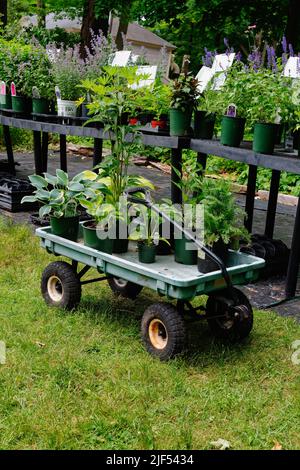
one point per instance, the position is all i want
(84, 380)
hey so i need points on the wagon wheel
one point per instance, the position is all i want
(127, 289)
(61, 286)
(163, 331)
(229, 318)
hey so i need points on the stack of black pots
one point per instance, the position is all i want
(274, 252)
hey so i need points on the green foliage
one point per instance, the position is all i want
(155, 100)
(184, 93)
(60, 196)
(27, 66)
(223, 218)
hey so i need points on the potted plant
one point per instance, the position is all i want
(205, 115)
(21, 60)
(147, 234)
(60, 198)
(190, 185)
(111, 98)
(6, 67)
(184, 98)
(270, 104)
(161, 96)
(68, 71)
(223, 222)
(41, 79)
(234, 101)
(96, 232)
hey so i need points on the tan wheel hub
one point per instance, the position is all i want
(158, 334)
(55, 289)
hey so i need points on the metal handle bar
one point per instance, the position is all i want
(147, 202)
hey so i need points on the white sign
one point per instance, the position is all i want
(151, 71)
(223, 62)
(121, 58)
(204, 76)
(292, 68)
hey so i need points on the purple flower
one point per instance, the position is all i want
(208, 58)
(284, 44)
(291, 50)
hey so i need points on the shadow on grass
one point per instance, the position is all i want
(202, 348)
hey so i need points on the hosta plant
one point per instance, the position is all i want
(58, 195)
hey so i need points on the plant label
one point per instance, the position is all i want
(222, 62)
(121, 58)
(2, 88)
(292, 68)
(13, 90)
(204, 76)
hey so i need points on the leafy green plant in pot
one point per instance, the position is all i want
(184, 99)
(270, 95)
(60, 198)
(223, 222)
(96, 232)
(111, 98)
(190, 185)
(147, 234)
(205, 115)
(68, 71)
(161, 94)
(234, 102)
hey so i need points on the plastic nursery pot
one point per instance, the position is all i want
(264, 138)
(146, 252)
(120, 243)
(184, 252)
(145, 117)
(133, 121)
(93, 238)
(40, 106)
(66, 108)
(20, 104)
(279, 134)
(65, 227)
(180, 122)
(232, 131)
(206, 264)
(5, 102)
(204, 125)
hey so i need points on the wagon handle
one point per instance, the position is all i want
(147, 202)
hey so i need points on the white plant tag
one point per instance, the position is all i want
(204, 76)
(121, 58)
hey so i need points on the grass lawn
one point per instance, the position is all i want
(83, 379)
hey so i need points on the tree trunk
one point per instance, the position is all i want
(41, 13)
(293, 24)
(3, 12)
(91, 23)
(123, 25)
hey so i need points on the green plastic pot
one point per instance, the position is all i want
(184, 255)
(204, 125)
(180, 122)
(146, 252)
(232, 131)
(40, 106)
(91, 238)
(65, 227)
(264, 138)
(20, 104)
(5, 102)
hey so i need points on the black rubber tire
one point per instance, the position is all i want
(127, 289)
(174, 328)
(229, 328)
(67, 285)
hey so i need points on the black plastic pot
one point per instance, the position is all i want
(206, 264)
(120, 244)
(146, 252)
(204, 124)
